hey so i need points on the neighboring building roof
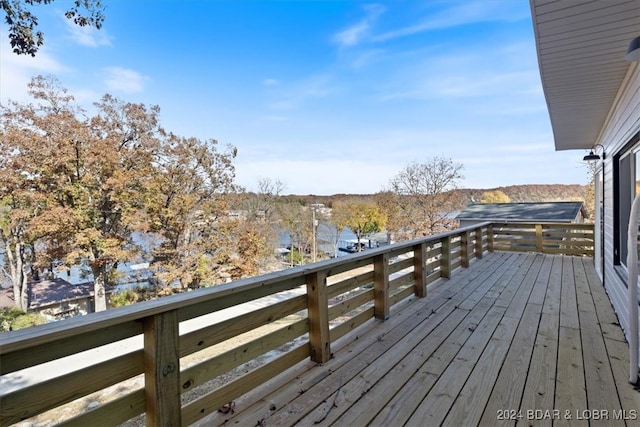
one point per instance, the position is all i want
(47, 292)
(523, 212)
(6, 298)
(581, 47)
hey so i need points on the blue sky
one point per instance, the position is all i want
(326, 96)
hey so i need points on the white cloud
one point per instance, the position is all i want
(495, 75)
(87, 36)
(124, 80)
(367, 58)
(484, 83)
(356, 33)
(293, 95)
(351, 36)
(461, 13)
(270, 82)
(17, 70)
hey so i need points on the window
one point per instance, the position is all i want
(626, 175)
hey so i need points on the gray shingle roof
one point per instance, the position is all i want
(524, 212)
(57, 290)
(47, 292)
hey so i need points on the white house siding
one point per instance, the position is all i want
(623, 122)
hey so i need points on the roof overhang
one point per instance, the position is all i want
(581, 47)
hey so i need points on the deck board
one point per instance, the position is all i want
(412, 369)
(539, 390)
(525, 332)
(472, 399)
(570, 387)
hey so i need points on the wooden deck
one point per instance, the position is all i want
(516, 338)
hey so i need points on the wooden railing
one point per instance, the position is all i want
(203, 342)
(551, 238)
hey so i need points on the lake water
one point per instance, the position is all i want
(135, 273)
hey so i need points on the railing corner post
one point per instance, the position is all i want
(162, 369)
(381, 286)
(318, 304)
(420, 270)
(539, 246)
(464, 248)
(478, 247)
(445, 257)
(490, 237)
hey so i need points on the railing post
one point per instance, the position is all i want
(162, 370)
(445, 257)
(478, 248)
(490, 237)
(381, 286)
(464, 249)
(318, 303)
(419, 270)
(539, 237)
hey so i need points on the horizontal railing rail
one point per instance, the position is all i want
(209, 346)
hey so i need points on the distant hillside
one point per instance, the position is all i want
(517, 193)
(533, 192)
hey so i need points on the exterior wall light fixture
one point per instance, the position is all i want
(592, 155)
(633, 53)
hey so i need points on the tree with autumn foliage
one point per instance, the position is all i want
(495, 196)
(76, 184)
(31, 169)
(295, 219)
(421, 198)
(187, 206)
(363, 218)
(254, 245)
(17, 209)
(75, 188)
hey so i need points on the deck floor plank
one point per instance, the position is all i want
(629, 397)
(537, 404)
(568, 299)
(607, 318)
(616, 347)
(539, 390)
(434, 408)
(554, 289)
(571, 394)
(539, 292)
(455, 332)
(602, 396)
(528, 332)
(400, 408)
(509, 385)
(472, 399)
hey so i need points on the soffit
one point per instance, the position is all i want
(581, 47)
